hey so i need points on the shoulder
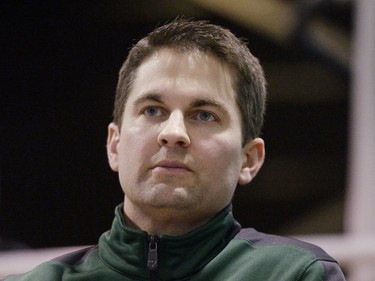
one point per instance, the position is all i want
(261, 239)
(56, 268)
(76, 257)
(283, 252)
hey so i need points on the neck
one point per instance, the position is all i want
(162, 221)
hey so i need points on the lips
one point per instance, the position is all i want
(171, 165)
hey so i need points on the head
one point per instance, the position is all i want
(200, 36)
(188, 110)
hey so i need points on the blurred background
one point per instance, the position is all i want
(60, 66)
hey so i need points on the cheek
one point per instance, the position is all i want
(221, 153)
(133, 144)
(220, 166)
(133, 137)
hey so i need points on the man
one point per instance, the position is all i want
(188, 112)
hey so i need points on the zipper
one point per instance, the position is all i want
(152, 259)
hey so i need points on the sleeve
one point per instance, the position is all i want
(43, 272)
(322, 270)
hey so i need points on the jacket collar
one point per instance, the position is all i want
(126, 249)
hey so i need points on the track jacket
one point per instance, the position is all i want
(217, 251)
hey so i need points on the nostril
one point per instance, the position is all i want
(181, 140)
(173, 132)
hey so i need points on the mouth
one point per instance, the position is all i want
(171, 166)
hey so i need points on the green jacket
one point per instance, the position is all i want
(219, 250)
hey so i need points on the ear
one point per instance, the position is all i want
(253, 153)
(113, 140)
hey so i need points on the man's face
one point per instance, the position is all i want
(179, 147)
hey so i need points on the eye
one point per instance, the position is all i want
(205, 116)
(152, 111)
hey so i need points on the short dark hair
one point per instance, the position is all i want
(187, 35)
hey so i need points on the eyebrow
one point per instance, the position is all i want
(147, 97)
(210, 102)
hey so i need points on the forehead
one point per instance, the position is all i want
(188, 73)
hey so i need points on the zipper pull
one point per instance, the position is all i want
(152, 262)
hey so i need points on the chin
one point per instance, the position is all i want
(171, 201)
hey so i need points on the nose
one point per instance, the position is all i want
(174, 131)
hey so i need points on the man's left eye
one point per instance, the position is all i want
(205, 116)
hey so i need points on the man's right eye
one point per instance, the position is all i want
(152, 111)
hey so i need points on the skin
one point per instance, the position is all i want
(178, 153)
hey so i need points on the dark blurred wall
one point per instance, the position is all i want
(59, 72)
